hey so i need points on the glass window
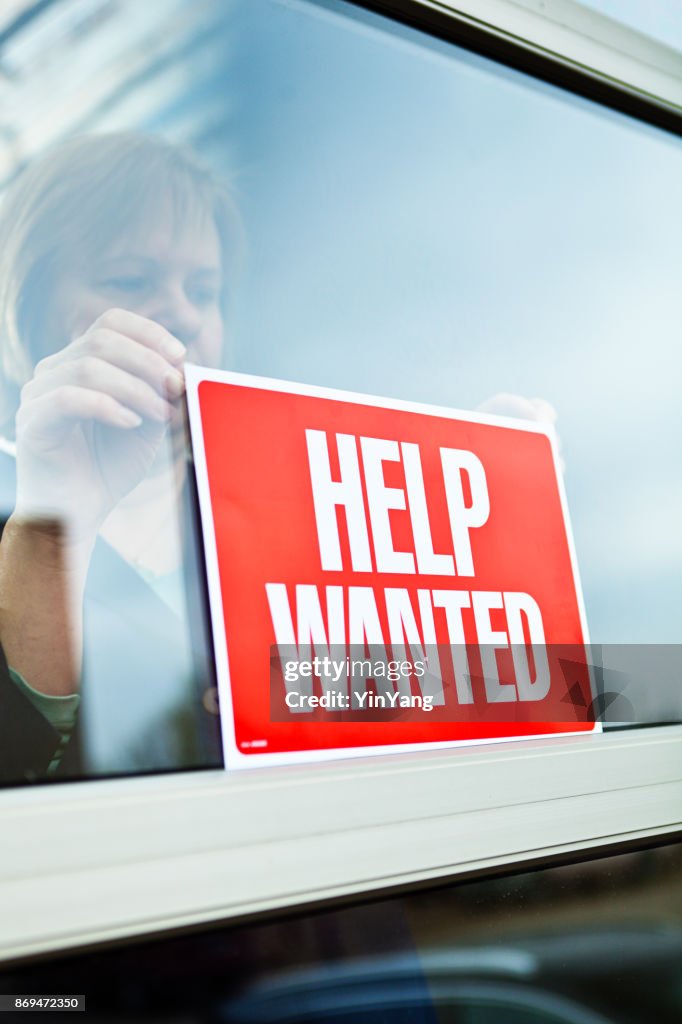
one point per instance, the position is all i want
(585, 943)
(309, 191)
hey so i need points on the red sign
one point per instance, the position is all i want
(382, 575)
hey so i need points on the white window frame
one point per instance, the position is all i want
(90, 862)
(576, 37)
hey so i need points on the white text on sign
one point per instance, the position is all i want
(354, 616)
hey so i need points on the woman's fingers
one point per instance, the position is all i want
(123, 352)
(39, 418)
(507, 404)
(98, 377)
(538, 409)
(124, 369)
(133, 357)
(147, 332)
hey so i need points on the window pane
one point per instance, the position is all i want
(580, 944)
(401, 217)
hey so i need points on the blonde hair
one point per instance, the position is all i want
(81, 194)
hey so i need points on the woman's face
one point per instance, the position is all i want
(171, 273)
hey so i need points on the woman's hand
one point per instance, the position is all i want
(92, 418)
(537, 409)
(88, 429)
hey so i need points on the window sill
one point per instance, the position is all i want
(90, 862)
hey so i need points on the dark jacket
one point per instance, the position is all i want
(27, 740)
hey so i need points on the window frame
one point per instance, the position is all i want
(193, 848)
(562, 42)
(114, 859)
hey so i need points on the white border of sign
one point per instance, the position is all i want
(233, 756)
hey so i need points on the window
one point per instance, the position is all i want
(581, 943)
(404, 215)
(659, 20)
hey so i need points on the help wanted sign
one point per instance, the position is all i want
(382, 575)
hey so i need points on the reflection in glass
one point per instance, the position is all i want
(419, 222)
(586, 943)
(116, 252)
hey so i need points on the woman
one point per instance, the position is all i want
(115, 252)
